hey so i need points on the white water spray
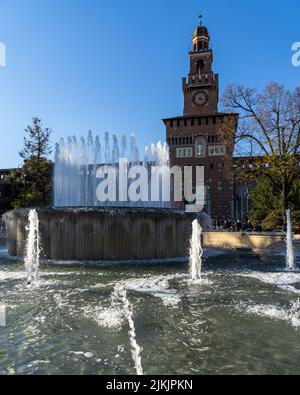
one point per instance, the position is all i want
(120, 294)
(76, 162)
(290, 259)
(196, 252)
(32, 248)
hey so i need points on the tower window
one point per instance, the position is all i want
(178, 122)
(171, 124)
(200, 66)
(192, 122)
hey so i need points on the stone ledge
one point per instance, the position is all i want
(247, 241)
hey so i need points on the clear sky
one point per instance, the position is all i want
(117, 65)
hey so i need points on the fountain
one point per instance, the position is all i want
(32, 248)
(83, 227)
(290, 259)
(120, 294)
(196, 252)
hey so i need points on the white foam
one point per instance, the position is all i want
(111, 318)
(283, 280)
(12, 275)
(157, 286)
(290, 315)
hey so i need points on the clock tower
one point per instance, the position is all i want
(196, 138)
(201, 88)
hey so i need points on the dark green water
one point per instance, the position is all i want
(243, 319)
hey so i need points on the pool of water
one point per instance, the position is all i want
(243, 319)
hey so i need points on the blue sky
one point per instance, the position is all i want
(117, 65)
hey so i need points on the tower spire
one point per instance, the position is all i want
(201, 37)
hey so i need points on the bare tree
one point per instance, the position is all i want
(268, 132)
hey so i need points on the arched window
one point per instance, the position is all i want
(200, 66)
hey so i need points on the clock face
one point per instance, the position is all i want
(200, 98)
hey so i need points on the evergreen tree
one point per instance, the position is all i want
(37, 142)
(35, 175)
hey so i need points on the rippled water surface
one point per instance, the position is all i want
(243, 319)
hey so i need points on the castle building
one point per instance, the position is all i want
(196, 138)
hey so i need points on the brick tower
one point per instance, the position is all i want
(197, 137)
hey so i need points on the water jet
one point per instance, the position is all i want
(290, 258)
(32, 258)
(196, 252)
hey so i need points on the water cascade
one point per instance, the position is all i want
(196, 252)
(32, 248)
(290, 259)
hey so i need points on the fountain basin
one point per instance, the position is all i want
(103, 234)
